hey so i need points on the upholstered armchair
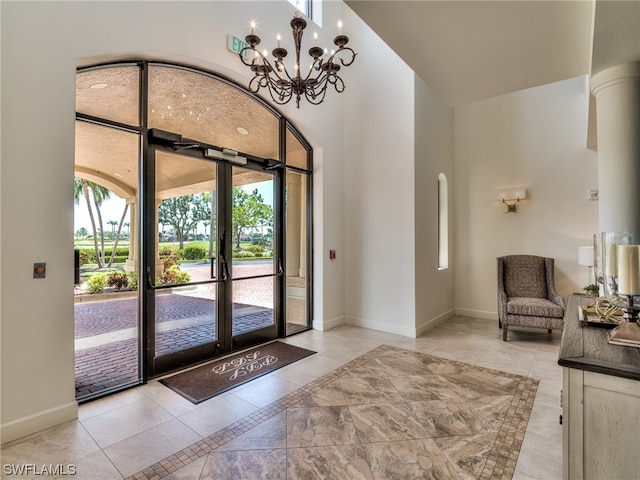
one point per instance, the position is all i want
(526, 294)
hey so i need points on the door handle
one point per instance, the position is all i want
(150, 283)
(223, 257)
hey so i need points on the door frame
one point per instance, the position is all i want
(140, 127)
(225, 342)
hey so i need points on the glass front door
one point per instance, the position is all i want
(255, 271)
(212, 269)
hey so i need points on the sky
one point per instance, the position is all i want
(112, 209)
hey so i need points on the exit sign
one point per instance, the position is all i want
(235, 45)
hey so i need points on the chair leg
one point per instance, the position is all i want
(499, 323)
(504, 332)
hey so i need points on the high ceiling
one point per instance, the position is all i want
(471, 50)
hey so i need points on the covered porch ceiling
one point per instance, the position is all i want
(193, 104)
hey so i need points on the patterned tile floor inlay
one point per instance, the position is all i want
(388, 414)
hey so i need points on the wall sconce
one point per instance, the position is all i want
(511, 198)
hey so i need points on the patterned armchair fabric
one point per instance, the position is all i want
(526, 293)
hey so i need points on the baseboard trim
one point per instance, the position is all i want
(468, 312)
(37, 422)
(379, 326)
(434, 322)
(328, 324)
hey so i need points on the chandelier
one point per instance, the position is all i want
(282, 85)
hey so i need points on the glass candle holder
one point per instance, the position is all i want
(609, 258)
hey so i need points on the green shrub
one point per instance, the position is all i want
(243, 254)
(133, 280)
(97, 282)
(193, 252)
(170, 260)
(166, 251)
(86, 255)
(118, 280)
(174, 276)
(257, 250)
(120, 252)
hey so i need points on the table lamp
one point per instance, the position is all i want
(585, 257)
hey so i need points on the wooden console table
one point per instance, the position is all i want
(600, 402)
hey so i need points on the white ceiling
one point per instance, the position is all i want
(471, 50)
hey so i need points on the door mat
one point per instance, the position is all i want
(202, 383)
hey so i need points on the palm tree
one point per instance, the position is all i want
(99, 194)
(113, 224)
(80, 186)
(115, 245)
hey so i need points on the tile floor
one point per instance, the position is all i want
(120, 435)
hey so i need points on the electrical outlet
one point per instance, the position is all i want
(593, 194)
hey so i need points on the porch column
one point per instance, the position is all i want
(293, 225)
(158, 261)
(302, 245)
(133, 262)
(617, 92)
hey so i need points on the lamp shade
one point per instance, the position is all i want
(585, 256)
(512, 194)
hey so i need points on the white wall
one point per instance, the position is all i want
(434, 155)
(536, 139)
(42, 44)
(379, 252)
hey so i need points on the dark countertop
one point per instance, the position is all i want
(586, 348)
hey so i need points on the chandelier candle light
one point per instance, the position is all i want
(281, 85)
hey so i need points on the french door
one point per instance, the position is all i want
(211, 252)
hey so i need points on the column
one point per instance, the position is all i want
(293, 224)
(302, 247)
(133, 262)
(158, 261)
(617, 92)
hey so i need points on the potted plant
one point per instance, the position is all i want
(591, 290)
